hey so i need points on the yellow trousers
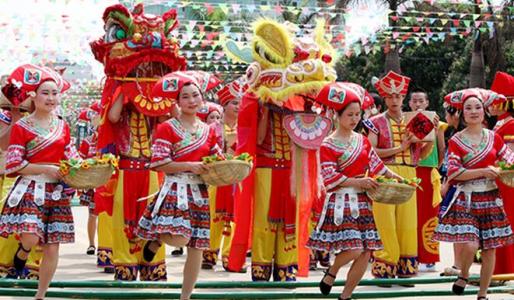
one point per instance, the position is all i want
(397, 226)
(128, 255)
(104, 252)
(220, 235)
(9, 245)
(270, 251)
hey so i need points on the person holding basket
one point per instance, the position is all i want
(348, 163)
(475, 217)
(179, 216)
(38, 205)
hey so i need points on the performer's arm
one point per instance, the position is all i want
(440, 147)
(116, 108)
(38, 169)
(195, 167)
(426, 149)
(388, 152)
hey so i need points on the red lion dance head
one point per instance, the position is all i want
(136, 50)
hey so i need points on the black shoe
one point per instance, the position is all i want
(91, 250)
(148, 254)
(207, 266)
(457, 289)
(325, 288)
(177, 252)
(109, 270)
(482, 298)
(19, 264)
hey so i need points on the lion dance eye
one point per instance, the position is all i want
(114, 33)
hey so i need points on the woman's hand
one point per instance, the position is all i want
(198, 167)
(366, 183)
(490, 172)
(53, 172)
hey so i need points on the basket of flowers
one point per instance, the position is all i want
(88, 173)
(226, 170)
(393, 191)
(506, 173)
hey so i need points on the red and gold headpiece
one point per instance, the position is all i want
(392, 83)
(231, 91)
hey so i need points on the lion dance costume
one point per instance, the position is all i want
(277, 127)
(135, 49)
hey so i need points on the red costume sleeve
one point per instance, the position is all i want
(455, 165)
(329, 169)
(16, 152)
(162, 146)
(504, 152)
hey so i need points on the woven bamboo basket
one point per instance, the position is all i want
(95, 176)
(226, 172)
(507, 177)
(392, 193)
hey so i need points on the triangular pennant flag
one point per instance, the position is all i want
(224, 8)
(478, 23)
(236, 8)
(467, 23)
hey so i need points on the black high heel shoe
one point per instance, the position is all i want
(19, 264)
(457, 289)
(148, 254)
(325, 288)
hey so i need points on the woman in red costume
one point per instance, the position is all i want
(346, 225)
(504, 84)
(38, 205)
(475, 215)
(180, 214)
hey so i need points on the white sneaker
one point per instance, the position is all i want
(427, 268)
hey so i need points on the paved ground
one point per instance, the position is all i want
(76, 265)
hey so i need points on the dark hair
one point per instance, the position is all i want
(377, 100)
(451, 110)
(417, 90)
(340, 112)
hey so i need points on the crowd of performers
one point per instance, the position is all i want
(299, 205)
